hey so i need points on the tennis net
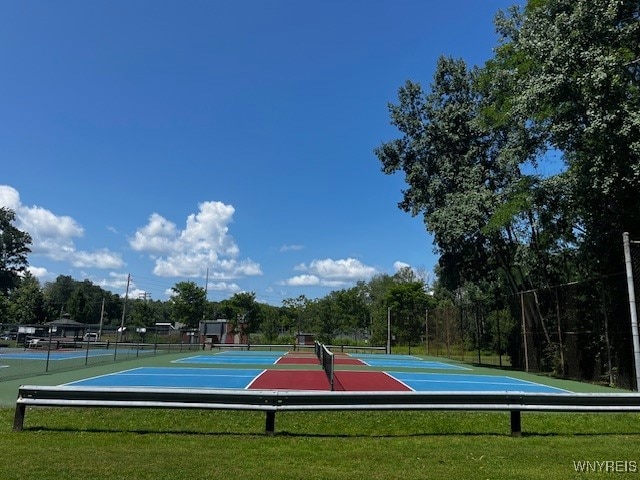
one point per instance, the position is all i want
(326, 360)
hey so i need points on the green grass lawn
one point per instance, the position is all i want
(176, 444)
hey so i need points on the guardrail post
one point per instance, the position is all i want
(18, 420)
(270, 425)
(516, 423)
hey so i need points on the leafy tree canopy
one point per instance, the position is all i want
(14, 248)
(187, 303)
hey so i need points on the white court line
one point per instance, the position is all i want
(256, 378)
(539, 384)
(399, 381)
(101, 376)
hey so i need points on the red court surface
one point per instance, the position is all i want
(298, 360)
(317, 380)
(291, 380)
(312, 360)
(367, 382)
(347, 361)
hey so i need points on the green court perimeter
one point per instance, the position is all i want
(9, 389)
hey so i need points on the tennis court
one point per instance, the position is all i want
(58, 355)
(406, 361)
(267, 371)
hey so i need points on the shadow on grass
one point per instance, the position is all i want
(288, 434)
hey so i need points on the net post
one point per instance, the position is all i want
(331, 376)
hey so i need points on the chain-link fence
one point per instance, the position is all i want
(579, 330)
(26, 356)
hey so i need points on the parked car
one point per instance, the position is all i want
(91, 337)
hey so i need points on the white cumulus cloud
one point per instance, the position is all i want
(203, 245)
(330, 273)
(302, 281)
(38, 272)
(53, 235)
(345, 269)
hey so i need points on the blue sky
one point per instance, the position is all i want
(166, 139)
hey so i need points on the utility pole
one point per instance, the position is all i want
(206, 288)
(124, 309)
(101, 320)
(203, 326)
(124, 303)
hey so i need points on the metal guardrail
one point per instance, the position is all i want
(271, 402)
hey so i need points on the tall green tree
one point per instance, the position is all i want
(573, 70)
(351, 310)
(271, 322)
(457, 173)
(408, 302)
(142, 313)
(26, 302)
(14, 249)
(57, 294)
(80, 308)
(244, 312)
(565, 79)
(375, 295)
(296, 309)
(187, 303)
(463, 161)
(325, 318)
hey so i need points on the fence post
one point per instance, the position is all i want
(478, 333)
(388, 330)
(524, 333)
(426, 328)
(632, 306)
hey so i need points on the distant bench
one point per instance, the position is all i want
(270, 401)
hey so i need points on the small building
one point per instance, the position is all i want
(165, 328)
(221, 331)
(305, 338)
(66, 327)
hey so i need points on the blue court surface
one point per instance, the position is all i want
(163, 377)
(415, 363)
(252, 353)
(247, 359)
(435, 382)
(405, 361)
(225, 378)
